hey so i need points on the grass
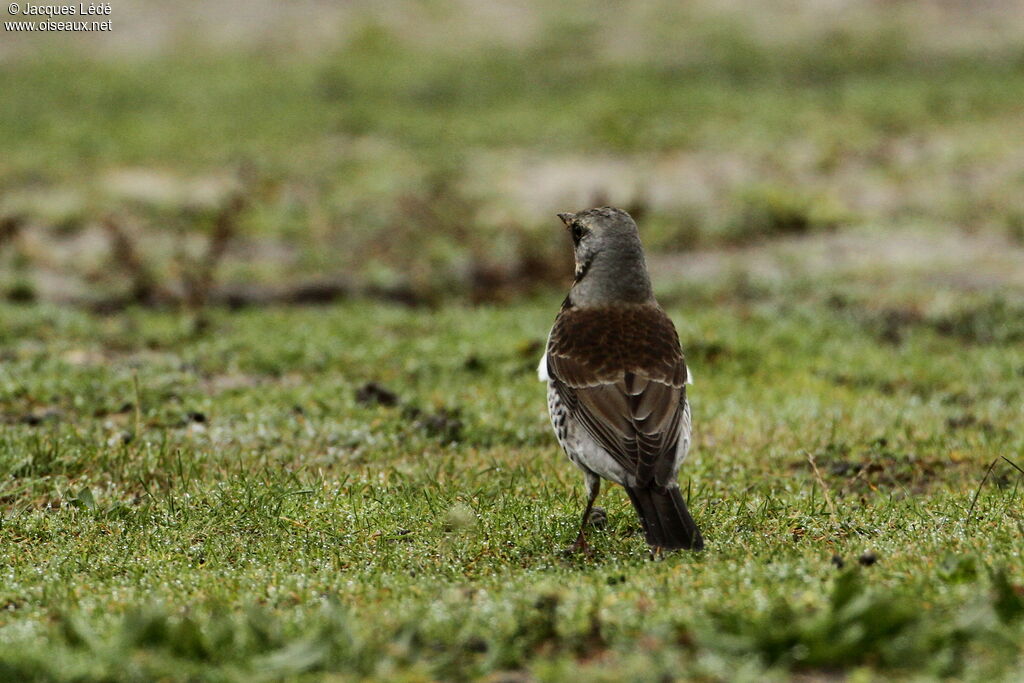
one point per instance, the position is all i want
(198, 482)
(733, 140)
(223, 507)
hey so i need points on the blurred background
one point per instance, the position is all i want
(245, 153)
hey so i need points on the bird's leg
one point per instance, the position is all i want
(593, 488)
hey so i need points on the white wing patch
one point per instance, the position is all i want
(689, 375)
(542, 367)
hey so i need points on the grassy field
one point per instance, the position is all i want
(271, 304)
(431, 169)
(230, 506)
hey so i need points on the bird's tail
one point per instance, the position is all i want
(666, 521)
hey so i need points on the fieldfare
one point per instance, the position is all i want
(617, 380)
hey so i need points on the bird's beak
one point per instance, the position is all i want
(567, 217)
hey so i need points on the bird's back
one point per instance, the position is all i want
(605, 342)
(620, 371)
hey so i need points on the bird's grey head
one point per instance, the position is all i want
(610, 265)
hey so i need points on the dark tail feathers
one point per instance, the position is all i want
(666, 521)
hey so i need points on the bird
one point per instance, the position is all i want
(616, 381)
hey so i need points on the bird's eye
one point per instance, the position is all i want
(577, 233)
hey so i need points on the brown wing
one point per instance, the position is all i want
(621, 373)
